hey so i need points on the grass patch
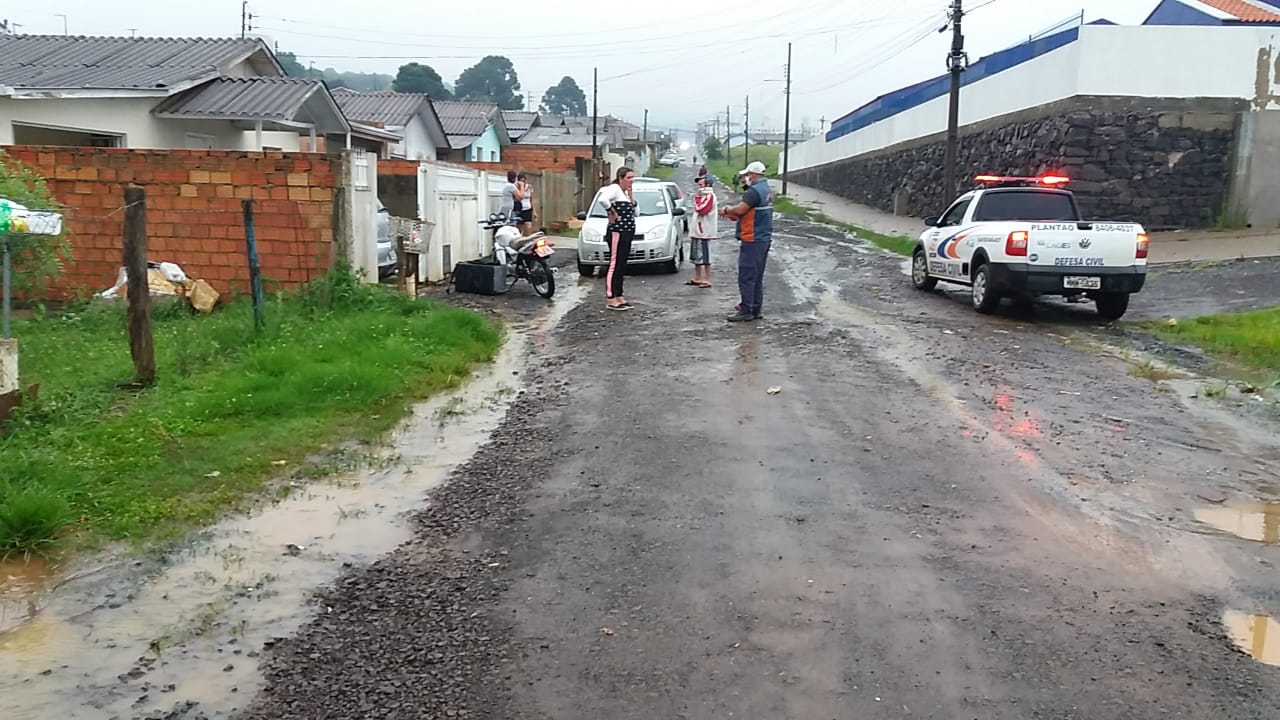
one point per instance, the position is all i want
(900, 244)
(1249, 339)
(662, 172)
(232, 408)
(726, 167)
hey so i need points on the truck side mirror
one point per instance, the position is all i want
(932, 221)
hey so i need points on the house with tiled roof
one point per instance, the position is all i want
(412, 116)
(476, 131)
(229, 94)
(1215, 12)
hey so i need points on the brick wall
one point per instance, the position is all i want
(194, 211)
(555, 158)
(398, 167)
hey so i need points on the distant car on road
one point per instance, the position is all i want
(657, 238)
(386, 249)
(1019, 236)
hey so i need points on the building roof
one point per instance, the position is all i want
(519, 121)
(394, 109)
(465, 118)
(48, 62)
(1246, 11)
(557, 137)
(280, 102)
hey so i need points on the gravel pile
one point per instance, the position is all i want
(411, 636)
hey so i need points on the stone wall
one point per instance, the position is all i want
(1163, 163)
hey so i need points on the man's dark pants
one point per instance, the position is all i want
(752, 257)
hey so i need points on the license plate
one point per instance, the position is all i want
(542, 251)
(1074, 282)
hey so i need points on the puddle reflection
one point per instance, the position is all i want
(1258, 636)
(1259, 522)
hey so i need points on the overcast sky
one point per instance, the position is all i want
(682, 61)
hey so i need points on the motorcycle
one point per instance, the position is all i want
(525, 257)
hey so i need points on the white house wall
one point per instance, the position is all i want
(417, 143)
(1117, 60)
(132, 119)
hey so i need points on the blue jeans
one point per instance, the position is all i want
(752, 257)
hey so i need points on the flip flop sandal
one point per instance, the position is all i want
(704, 285)
(618, 307)
(693, 282)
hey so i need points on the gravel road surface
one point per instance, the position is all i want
(938, 515)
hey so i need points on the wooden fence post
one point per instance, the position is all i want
(141, 345)
(255, 272)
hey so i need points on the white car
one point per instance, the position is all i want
(657, 238)
(1018, 236)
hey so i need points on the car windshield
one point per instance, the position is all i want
(1025, 205)
(648, 202)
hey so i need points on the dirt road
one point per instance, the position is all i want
(940, 515)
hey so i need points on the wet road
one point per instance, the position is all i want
(940, 515)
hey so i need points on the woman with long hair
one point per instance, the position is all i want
(620, 201)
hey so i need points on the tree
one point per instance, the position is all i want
(37, 259)
(494, 80)
(418, 78)
(291, 66)
(711, 147)
(360, 82)
(564, 98)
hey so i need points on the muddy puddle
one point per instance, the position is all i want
(1258, 636)
(1259, 522)
(131, 636)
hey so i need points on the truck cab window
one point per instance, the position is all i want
(1026, 206)
(955, 215)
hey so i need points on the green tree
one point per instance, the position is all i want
(37, 259)
(493, 79)
(711, 147)
(418, 78)
(291, 66)
(564, 98)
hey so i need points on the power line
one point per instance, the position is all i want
(880, 55)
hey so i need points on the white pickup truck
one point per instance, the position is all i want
(1022, 237)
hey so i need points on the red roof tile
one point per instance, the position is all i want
(1244, 11)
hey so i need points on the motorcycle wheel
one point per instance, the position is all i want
(541, 277)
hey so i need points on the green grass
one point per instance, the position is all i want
(726, 167)
(661, 172)
(86, 461)
(900, 244)
(1249, 339)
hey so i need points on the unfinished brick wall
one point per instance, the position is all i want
(194, 211)
(555, 158)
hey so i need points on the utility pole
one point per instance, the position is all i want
(746, 133)
(64, 23)
(644, 135)
(595, 109)
(244, 18)
(786, 125)
(956, 62)
(728, 135)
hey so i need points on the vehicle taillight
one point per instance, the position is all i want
(1144, 245)
(1016, 243)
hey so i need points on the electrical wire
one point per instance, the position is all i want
(877, 57)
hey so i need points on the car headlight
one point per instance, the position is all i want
(656, 234)
(593, 236)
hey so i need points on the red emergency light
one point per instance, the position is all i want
(1048, 180)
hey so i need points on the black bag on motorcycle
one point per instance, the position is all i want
(480, 278)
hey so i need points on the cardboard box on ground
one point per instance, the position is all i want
(166, 279)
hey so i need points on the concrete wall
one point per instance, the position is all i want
(1255, 182)
(194, 211)
(1164, 163)
(1236, 62)
(417, 143)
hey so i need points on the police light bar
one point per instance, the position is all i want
(1049, 180)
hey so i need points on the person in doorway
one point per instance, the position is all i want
(620, 202)
(702, 231)
(754, 215)
(525, 213)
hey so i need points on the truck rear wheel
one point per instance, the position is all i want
(1112, 305)
(985, 299)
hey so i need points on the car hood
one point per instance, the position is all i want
(644, 223)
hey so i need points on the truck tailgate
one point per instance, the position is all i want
(1083, 246)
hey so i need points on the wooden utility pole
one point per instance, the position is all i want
(956, 63)
(141, 346)
(728, 135)
(786, 125)
(746, 133)
(595, 109)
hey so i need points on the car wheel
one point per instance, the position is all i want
(1112, 305)
(671, 266)
(920, 271)
(586, 270)
(985, 299)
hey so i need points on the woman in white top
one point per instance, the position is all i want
(525, 209)
(620, 202)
